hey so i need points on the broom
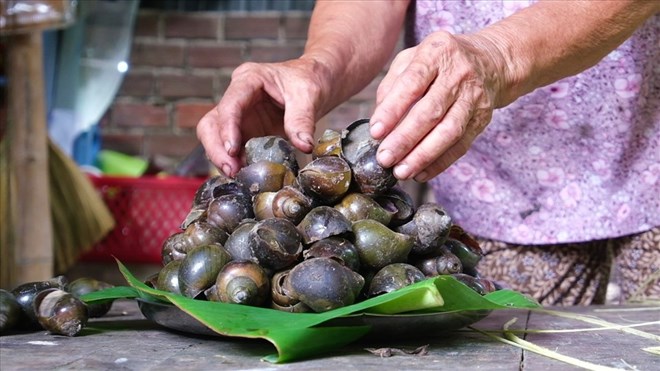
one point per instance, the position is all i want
(80, 218)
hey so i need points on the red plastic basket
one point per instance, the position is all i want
(147, 211)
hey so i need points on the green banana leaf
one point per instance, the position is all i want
(303, 335)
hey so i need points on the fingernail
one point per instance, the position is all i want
(377, 130)
(305, 137)
(402, 172)
(228, 146)
(422, 177)
(226, 169)
(385, 158)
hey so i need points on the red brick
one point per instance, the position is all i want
(296, 26)
(138, 114)
(251, 27)
(275, 53)
(170, 144)
(146, 53)
(210, 56)
(183, 86)
(146, 24)
(192, 25)
(137, 84)
(130, 144)
(187, 115)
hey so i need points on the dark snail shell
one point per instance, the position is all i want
(174, 248)
(204, 196)
(323, 284)
(430, 227)
(480, 285)
(470, 252)
(469, 258)
(26, 293)
(85, 285)
(378, 245)
(327, 179)
(237, 244)
(265, 176)
(243, 282)
(359, 150)
(275, 243)
(329, 144)
(323, 222)
(200, 268)
(60, 312)
(443, 262)
(279, 294)
(168, 277)
(271, 148)
(398, 203)
(337, 248)
(393, 277)
(358, 206)
(198, 233)
(11, 313)
(226, 212)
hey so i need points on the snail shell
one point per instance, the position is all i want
(243, 282)
(60, 312)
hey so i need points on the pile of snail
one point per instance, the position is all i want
(311, 239)
(53, 305)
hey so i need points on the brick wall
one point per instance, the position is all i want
(180, 65)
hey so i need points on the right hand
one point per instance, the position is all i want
(263, 99)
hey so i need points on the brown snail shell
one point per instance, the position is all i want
(481, 285)
(203, 197)
(275, 243)
(358, 206)
(292, 204)
(198, 233)
(443, 262)
(60, 312)
(393, 277)
(174, 248)
(279, 295)
(168, 277)
(271, 148)
(26, 293)
(262, 204)
(85, 285)
(200, 268)
(329, 144)
(378, 245)
(265, 176)
(243, 282)
(327, 179)
(323, 222)
(323, 284)
(337, 248)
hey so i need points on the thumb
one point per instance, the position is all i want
(299, 125)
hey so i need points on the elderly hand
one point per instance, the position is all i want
(434, 101)
(254, 105)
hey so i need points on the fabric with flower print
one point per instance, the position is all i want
(574, 161)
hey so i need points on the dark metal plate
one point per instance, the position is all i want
(171, 317)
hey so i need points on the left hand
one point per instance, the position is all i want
(434, 101)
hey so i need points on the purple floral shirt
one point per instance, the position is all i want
(574, 161)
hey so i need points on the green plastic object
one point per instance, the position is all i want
(120, 164)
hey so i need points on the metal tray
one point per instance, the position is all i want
(171, 317)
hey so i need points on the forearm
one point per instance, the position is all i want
(555, 39)
(351, 41)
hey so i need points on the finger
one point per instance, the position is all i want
(447, 133)
(419, 121)
(208, 132)
(299, 120)
(408, 87)
(397, 67)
